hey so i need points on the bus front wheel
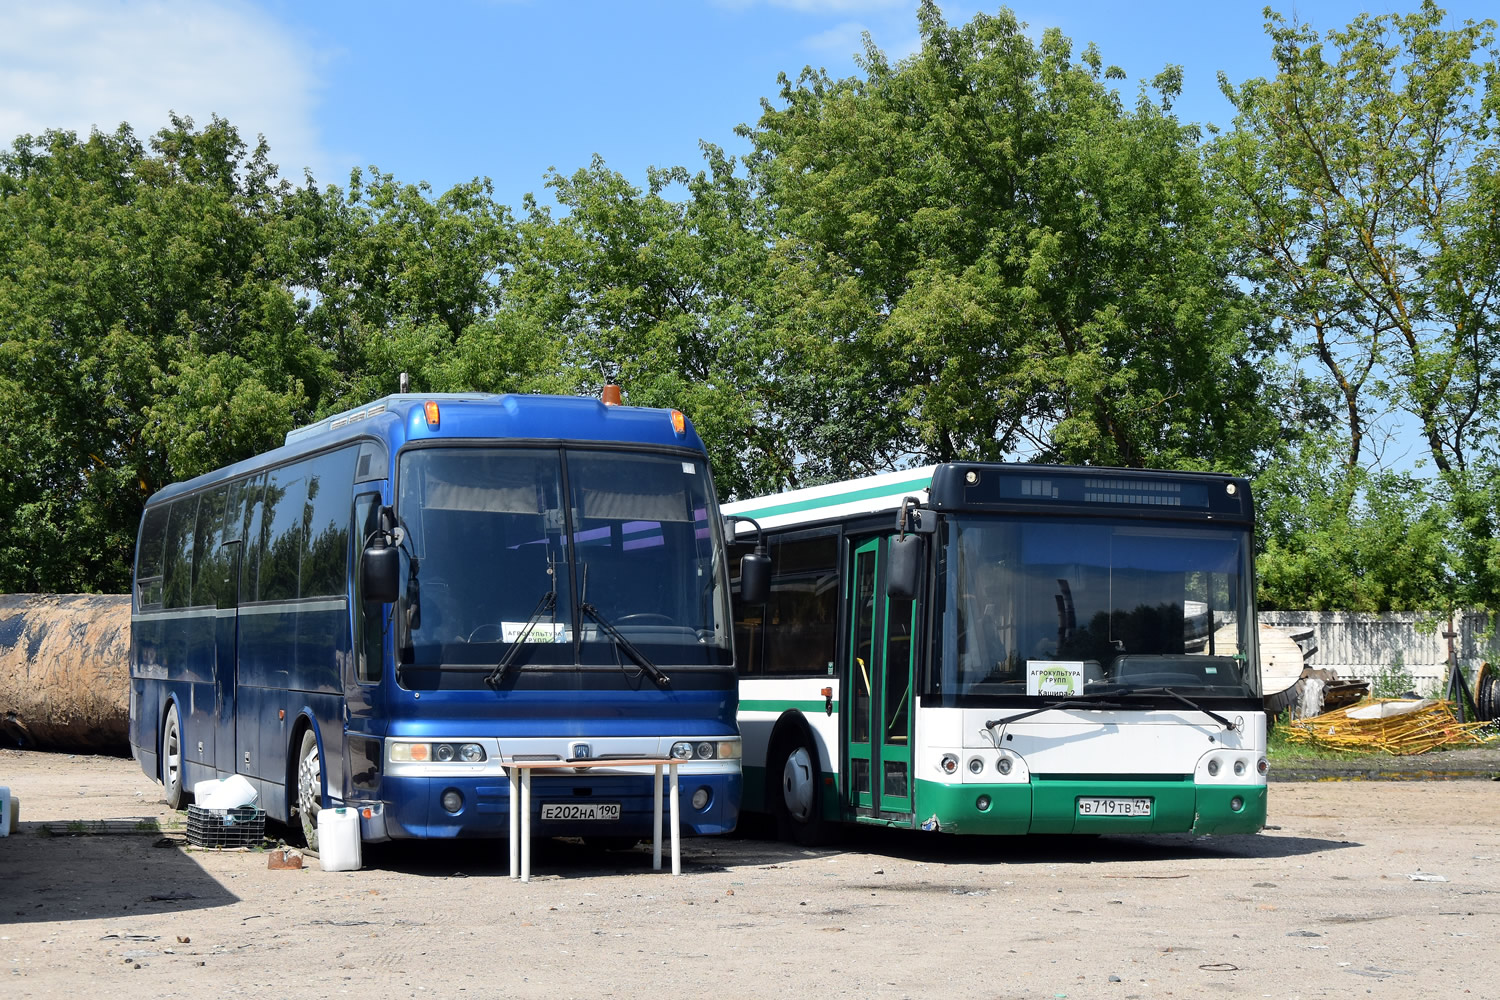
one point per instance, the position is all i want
(309, 788)
(171, 761)
(799, 804)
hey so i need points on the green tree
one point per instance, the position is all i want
(983, 253)
(142, 337)
(662, 296)
(1364, 182)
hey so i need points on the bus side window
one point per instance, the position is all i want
(281, 531)
(210, 563)
(148, 562)
(254, 536)
(325, 524)
(802, 612)
(177, 554)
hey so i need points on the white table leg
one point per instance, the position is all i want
(656, 823)
(676, 853)
(515, 822)
(526, 824)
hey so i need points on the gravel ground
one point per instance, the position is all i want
(1378, 888)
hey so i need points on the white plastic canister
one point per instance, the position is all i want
(5, 815)
(338, 839)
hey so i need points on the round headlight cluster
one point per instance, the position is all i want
(976, 765)
(1004, 765)
(705, 750)
(1213, 767)
(442, 753)
(949, 764)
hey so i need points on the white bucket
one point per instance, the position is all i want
(5, 815)
(338, 839)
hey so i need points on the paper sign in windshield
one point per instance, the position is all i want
(541, 632)
(1054, 678)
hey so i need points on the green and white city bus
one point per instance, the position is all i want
(1005, 649)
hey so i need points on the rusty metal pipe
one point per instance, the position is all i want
(65, 672)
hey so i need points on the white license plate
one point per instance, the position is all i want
(581, 810)
(1099, 806)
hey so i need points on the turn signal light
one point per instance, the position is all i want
(679, 422)
(432, 413)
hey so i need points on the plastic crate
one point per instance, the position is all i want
(242, 827)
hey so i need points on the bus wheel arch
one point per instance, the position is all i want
(794, 782)
(307, 784)
(170, 761)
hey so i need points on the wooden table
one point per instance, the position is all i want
(520, 772)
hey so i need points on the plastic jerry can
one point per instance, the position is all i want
(338, 839)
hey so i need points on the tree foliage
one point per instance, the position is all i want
(1362, 183)
(980, 251)
(1002, 259)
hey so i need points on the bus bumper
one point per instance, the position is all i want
(1051, 806)
(414, 805)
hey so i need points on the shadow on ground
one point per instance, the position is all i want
(576, 858)
(88, 877)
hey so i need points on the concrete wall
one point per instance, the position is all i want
(1367, 646)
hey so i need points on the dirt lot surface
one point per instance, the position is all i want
(1380, 888)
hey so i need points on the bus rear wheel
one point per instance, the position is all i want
(798, 804)
(309, 788)
(171, 761)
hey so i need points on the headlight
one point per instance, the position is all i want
(442, 753)
(949, 763)
(1213, 767)
(1239, 768)
(976, 765)
(705, 750)
(1003, 765)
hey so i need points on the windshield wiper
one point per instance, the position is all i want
(543, 606)
(1097, 700)
(1228, 726)
(636, 655)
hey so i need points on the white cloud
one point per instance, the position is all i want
(80, 65)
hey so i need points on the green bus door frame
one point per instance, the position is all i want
(877, 727)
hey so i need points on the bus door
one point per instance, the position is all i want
(226, 656)
(878, 727)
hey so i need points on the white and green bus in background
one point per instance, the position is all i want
(1005, 649)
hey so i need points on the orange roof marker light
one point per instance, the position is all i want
(611, 395)
(679, 422)
(431, 409)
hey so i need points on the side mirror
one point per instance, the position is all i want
(904, 567)
(755, 577)
(380, 573)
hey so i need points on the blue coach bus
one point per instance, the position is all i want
(406, 596)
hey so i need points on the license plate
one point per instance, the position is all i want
(1098, 806)
(581, 810)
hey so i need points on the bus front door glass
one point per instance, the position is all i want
(880, 673)
(895, 707)
(862, 654)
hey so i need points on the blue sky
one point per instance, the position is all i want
(505, 89)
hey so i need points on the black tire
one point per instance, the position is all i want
(171, 761)
(309, 788)
(1489, 695)
(797, 795)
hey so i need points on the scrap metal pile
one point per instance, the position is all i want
(1394, 726)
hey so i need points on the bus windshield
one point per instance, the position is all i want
(1029, 603)
(537, 545)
